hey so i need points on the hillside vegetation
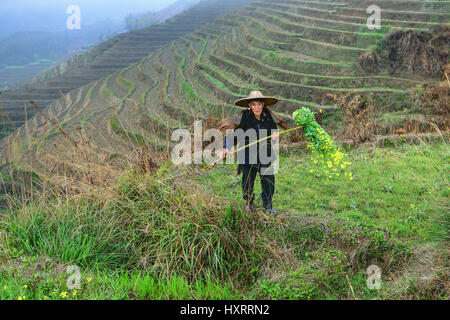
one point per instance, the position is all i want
(177, 233)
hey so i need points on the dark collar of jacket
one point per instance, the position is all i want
(249, 120)
(234, 121)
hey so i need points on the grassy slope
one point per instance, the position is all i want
(391, 214)
(395, 188)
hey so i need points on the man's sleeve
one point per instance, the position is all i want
(226, 142)
(278, 121)
(236, 120)
(275, 119)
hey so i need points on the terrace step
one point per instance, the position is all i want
(398, 15)
(429, 6)
(108, 66)
(332, 36)
(20, 95)
(332, 14)
(314, 79)
(46, 90)
(433, 6)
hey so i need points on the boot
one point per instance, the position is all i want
(249, 206)
(270, 209)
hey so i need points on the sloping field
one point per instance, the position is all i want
(19, 73)
(114, 54)
(303, 52)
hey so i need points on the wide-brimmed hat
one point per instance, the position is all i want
(256, 95)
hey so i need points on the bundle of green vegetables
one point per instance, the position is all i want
(324, 149)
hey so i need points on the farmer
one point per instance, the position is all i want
(256, 116)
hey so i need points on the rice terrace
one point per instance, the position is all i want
(93, 205)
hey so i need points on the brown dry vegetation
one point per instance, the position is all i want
(410, 53)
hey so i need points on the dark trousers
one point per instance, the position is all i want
(248, 181)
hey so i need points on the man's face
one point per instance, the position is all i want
(257, 107)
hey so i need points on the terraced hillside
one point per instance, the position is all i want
(106, 58)
(15, 74)
(304, 52)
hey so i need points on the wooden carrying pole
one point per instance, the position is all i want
(248, 145)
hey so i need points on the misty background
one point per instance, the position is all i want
(50, 15)
(34, 35)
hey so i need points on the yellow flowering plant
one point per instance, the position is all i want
(324, 149)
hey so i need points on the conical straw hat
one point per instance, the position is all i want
(268, 101)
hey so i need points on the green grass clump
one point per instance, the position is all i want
(135, 138)
(125, 83)
(106, 92)
(144, 225)
(15, 284)
(128, 85)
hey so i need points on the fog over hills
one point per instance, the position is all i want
(105, 58)
(50, 15)
(41, 38)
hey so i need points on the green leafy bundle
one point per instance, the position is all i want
(324, 149)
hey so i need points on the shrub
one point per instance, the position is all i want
(144, 224)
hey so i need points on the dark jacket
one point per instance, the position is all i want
(246, 120)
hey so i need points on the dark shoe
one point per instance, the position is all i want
(249, 207)
(270, 209)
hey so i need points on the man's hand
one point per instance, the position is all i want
(223, 153)
(275, 135)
